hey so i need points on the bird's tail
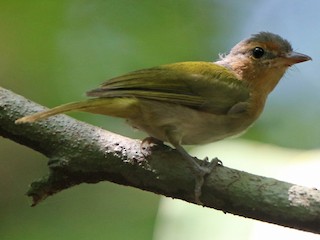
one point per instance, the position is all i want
(117, 107)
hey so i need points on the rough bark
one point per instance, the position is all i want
(81, 153)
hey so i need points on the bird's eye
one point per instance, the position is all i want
(257, 52)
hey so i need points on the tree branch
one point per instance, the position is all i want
(81, 153)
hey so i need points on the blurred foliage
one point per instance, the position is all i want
(54, 51)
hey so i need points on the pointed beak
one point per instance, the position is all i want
(294, 57)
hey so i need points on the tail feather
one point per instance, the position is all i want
(117, 107)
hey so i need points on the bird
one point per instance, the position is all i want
(194, 102)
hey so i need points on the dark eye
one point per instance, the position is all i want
(257, 52)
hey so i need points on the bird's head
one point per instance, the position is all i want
(262, 59)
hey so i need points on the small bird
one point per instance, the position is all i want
(189, 103)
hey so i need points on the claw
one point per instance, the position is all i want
(211, 164)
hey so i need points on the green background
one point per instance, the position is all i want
(54, 51)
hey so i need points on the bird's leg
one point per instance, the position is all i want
(200, 171)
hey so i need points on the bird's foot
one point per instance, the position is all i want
(200, 172)
(210, 165)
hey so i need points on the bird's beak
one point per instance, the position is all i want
(294, 57)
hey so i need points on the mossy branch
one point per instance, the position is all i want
(81, 153)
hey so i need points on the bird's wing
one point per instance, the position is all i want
(200, 85)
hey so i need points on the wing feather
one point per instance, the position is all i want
(201, 85)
